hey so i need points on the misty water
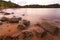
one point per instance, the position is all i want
(34, 14)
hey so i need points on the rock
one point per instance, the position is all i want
(21, 27)
(3, 19)
(23, 14)
(13, 20)
(12, 13)
(11, 38)
(16, 36)
(26, 23)
(52, 29)
(8, 38)
(40, 33)
(20, 18)
(1, 22)
(6, 13)
(27, 35)
(37, 24)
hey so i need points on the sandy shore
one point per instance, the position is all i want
(11, 29)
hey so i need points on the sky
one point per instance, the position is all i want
(41, 2)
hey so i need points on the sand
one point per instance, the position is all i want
(11, 29)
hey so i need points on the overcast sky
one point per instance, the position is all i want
(41, 2)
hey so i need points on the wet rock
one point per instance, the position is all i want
(8, 38)
(20, 18)
(27, 35)
(21, 27)
(13, 20)
(52, 29)
(16, 36)
(37, 24)
(11, 38)
(40, 33)
(23, 14)
(12, 12)
(26, 23)
(23, 24)
(1, 22)
(6, 13)
(3, 19)
(56, 31)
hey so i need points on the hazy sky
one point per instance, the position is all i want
(43, 2)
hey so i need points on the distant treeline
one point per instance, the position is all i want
(42, 6)
(9, 4)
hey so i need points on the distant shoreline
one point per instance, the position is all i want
(24, 8)
(6, 5)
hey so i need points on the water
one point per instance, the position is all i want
(34, 14)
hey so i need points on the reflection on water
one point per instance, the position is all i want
(33, 14)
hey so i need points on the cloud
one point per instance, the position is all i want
(43, 2)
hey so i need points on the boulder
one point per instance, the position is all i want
(40, 33)
(21, 27)
(3, 19)
(27, 35)
(13, 20)
(1, 22)
(52, 29)
(26, 23)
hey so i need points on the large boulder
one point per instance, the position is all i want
(23, 24)
(3, 19)
(52, 29)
